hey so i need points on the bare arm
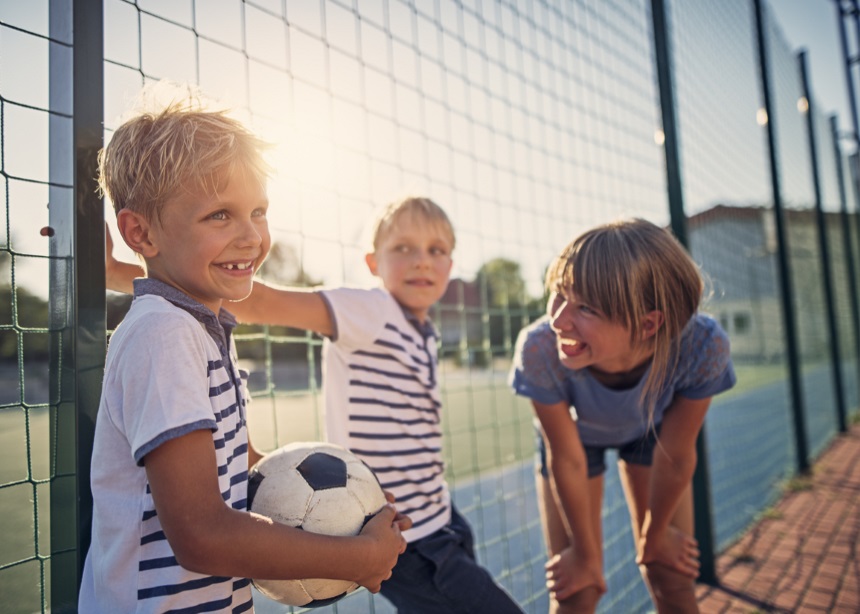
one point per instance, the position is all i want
(569, 467)
(671, 473)
(119, 275)
(278, 306)
(209, 537)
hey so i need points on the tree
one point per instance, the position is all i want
(284, 267)
(504, 282)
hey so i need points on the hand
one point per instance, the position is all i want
(672, 548)
(567, 574)
(385, 544)
(401, 520)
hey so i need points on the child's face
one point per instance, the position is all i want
(586, 338)
(210, 246)
(414, 262)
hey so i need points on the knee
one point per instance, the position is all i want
(583, 602)
(672, 591)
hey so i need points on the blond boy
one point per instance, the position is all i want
(170, 463)
(382, 399)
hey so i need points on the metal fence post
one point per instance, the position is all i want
(788, 313)
(77, 283)
(703, 509)
(849, 62)
(826, 272)
(846, 238)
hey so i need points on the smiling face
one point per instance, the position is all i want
(413, 260)
(585, 338)
(210, 247)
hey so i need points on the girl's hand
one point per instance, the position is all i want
(384, 545)
(567, 574)
(673, 548)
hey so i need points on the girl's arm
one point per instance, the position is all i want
(209, 537)
(671, 474)
(580, 565)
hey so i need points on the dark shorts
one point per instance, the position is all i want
(637, 452)
(439, 573)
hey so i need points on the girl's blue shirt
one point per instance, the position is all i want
(609, 417)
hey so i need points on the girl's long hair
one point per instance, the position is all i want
(627, 269)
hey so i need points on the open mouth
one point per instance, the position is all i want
(571, 347)
(237, 266)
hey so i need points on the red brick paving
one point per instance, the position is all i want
(805, 556)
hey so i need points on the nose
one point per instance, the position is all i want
(559, 318)
(420, 258)
(251, 232)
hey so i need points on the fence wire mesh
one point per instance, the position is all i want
(528, 121)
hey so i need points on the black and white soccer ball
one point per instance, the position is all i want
(317, 487)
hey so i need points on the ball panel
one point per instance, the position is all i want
(320, 589)
(290, 592)
(323, 471)
(365, 488)
(334, 512)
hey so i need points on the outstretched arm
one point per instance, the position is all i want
(671, 474)
(294, 307)
(580, 565)
(119, 275)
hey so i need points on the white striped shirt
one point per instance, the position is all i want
(170, 370)
(382, 401)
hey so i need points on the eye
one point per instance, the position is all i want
(261, 212)
(218, 216)
(438, 251)
(588, 310)
(402, 249)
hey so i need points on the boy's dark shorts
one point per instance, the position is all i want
(439, 573)
(637, 452)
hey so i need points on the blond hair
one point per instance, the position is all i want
(414, 208)
(627, 269)
(181, 148)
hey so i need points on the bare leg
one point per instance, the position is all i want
(672, 592)
(557, 538)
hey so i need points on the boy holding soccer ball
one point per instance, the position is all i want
(382, 398)
(171, 530)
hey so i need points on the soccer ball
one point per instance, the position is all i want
(317, 487)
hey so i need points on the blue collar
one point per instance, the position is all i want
(219, 327)
(425, 329)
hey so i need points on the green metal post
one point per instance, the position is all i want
(77, 283)
(702, 507)
(788, 313)
(826, 273)
(847, 239)
(849, 61)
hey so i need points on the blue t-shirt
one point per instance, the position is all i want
(608, 417)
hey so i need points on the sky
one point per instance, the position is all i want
(813, 25)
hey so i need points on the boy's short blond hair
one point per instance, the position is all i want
(413, 207)
(182, 148)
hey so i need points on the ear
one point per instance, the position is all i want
(651, 323)
(137, 233)
(372, 264)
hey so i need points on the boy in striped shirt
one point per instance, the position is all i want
(382, 399)
(381, 388)
(171, 530)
